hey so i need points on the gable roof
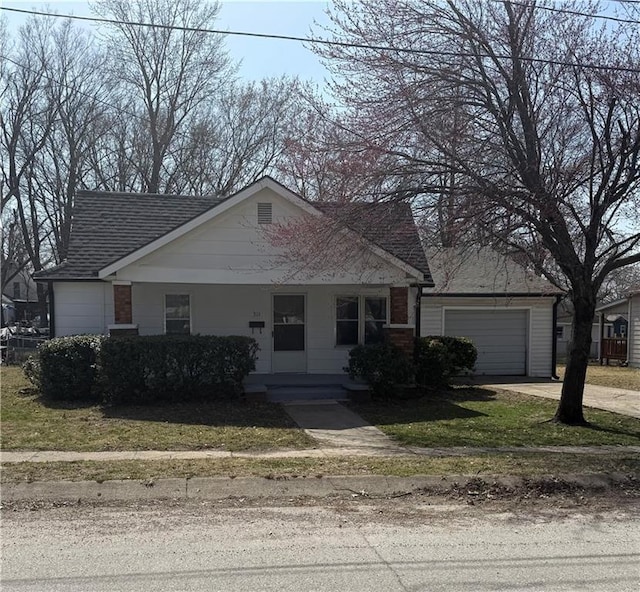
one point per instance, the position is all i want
(483, 272)
(110, 227)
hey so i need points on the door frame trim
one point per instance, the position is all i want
(306, 329)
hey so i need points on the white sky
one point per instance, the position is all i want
(260, 57)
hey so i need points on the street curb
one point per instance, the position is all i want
(218, 488)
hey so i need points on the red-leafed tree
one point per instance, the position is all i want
(517, 124)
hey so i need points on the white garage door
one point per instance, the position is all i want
(499, 336)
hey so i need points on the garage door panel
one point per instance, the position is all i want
(499, 336)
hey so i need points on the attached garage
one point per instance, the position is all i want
(500, 336)
(506, 311)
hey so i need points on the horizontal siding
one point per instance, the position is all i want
(235, 249)
(227, 310)
(634, 337)
(82, 308)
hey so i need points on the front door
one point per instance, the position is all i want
(289, 334)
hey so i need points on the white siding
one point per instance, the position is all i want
(227, 310)
(234, 249)
(82, 307)
(540, 320)
(634, 332)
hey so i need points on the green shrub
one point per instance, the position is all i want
(68, 367)
(382, 366)
(438, 357)
(31, 370)
(147, 369)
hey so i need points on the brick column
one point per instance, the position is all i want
(402, 337)
(122, 308)
(399, 306)
(399, 332)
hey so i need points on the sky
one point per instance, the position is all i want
(259, 58)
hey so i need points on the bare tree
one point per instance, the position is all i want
(169, 72)
(547, 163)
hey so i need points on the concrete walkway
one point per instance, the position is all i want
(618, 400)
(43, 456)
(333, 425)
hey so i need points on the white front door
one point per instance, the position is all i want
(289, 333)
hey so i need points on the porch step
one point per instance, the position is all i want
(288, 393)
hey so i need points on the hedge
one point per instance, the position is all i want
(436, 359)
(66, 368)
(142, 369)
(382, 366)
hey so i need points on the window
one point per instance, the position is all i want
(347, 320)
(16, 290)
(375, 318)
(177, 314)
(360, 319)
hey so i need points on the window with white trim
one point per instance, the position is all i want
(177, 314)
(360, 319)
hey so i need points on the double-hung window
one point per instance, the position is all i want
(177, 314)
(360, 319)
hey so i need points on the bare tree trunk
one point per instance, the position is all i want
(570, 408)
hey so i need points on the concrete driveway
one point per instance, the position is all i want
(618, 400)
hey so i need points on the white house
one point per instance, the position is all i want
(509, 313)
(307, 280)
(153, 264)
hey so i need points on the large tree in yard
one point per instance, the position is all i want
(529, 110)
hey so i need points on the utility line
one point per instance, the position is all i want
(317, 41)
(570, 11)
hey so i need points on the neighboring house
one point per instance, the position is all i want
(22, 291)
(619, 323)
(564, 331)
(153, 264)
(506, 311)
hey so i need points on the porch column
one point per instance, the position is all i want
(122, 310)
(399, 332)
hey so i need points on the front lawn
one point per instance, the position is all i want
(28, 423)
(527, 464)
(478, 417)
(614, 376)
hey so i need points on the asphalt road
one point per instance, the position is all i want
(355, 544)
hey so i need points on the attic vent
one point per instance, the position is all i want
(265, 215)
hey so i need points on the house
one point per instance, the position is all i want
(250, 264)
(20, 293)
(508, 312)
(564, 331)
(619, 326)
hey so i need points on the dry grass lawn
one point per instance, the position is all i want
(30, 423)
(527, 464)
(614, 376)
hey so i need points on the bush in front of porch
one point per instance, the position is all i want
(142, 369)
(388, 369)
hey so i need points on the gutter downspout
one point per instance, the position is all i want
(52, 308)
(629, 340)
(417, 312)
(554, 339)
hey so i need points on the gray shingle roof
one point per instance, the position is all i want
(108, 226)
(389, 225)
(483, 271)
